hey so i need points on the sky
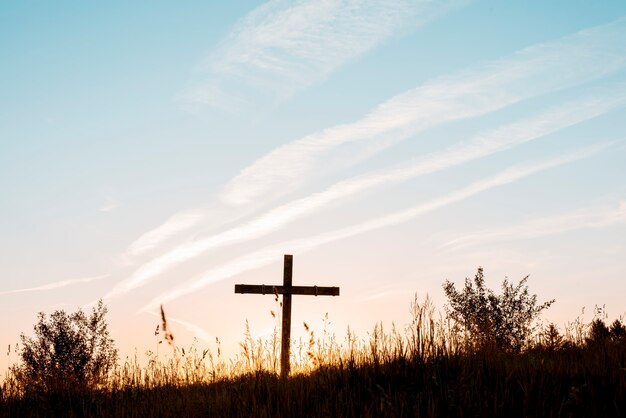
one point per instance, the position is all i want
(157, 153)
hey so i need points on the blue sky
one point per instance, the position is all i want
(161, 152)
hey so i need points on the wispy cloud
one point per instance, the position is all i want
(178, 222)
(531, 71)
(483, 144)
(200, 219)
(539, 69)
(282, 47)
(55, 285)
(110, 203)
(269, 255)
(194, 329)
(598, 217)
(382, 292)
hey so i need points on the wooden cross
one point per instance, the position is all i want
(286, 290)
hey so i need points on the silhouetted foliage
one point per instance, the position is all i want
(69, 352)
(551, 338)
(618, 330)
(598, 332)
(425, 372)
(502, 321)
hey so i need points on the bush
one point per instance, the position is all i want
(68, 352)
(502, 321)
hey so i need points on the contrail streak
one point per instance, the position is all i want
(589, 218)
(269, 255)
(572, 60)
(483, 144)
(55, 285)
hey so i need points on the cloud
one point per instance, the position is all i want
(210, 218)
(383, 292)
(175, 224)
(194, 329)
(536, 70)
(598, 217)
(270, 254)
(110, 204)
(282, 47)
(55, 285)
(481, 145)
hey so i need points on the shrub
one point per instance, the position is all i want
(68, 352)
(503, 321)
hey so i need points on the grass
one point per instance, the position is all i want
(426, 369)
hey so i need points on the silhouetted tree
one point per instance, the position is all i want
(69, 352)
(598, 332)
(502, 321)
(618, 330)
(551, 338)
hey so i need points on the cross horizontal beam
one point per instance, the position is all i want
(292, 290)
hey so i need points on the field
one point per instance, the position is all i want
(426, 369)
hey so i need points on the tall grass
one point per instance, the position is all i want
(426, 368)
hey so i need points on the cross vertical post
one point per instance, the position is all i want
(286, 329)
(287, 290)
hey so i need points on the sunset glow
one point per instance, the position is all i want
(158, 153)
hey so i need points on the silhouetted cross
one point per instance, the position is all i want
(286, 290)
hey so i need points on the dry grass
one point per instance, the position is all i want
(426, 369)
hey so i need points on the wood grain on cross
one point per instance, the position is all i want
(286, 290)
